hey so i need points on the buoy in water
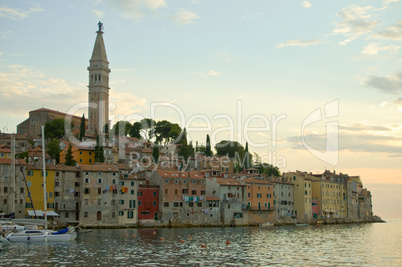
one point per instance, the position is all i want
(181, 240)
(161, 239)
(189, 236)
(203, 246)
(227, 242)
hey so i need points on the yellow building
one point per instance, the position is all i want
(329, 195)
(83, 155)
(5, 152)
(302, 194)
(34, 179)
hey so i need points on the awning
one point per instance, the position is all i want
(39, 213)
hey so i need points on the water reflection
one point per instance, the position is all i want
(335, 245)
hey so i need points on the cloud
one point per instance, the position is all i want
(385, 84)
(397, 104)
(386, 3)
(17, 14)
(300, 43)
(184, 17)
(375, 48)
(98, 13)
(306, 4)
(136, 9)
(357, 138)
(24, 88)
(393, 32)
(5, 34)
(209, 73)
(355, 22)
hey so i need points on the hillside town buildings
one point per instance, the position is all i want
(129, 188)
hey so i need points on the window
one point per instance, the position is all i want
(86, 190)
(258, 195)
(139, 202)
(202, 192)
(194, 192)
(154, 193)
(176, 191)
(86, 214)
(121, 213)
(80, 160)
(132, 192)
(185, 191)
(139, 193)
(176, 204)
(21, 190)
(248, 195)
(90, 153)
(155, 203)
(199, 204)
(80, 152)
(57, 174)
(166, 204)
(190, 204)
(99, 202)
(121, 182)
(166, 191)
(176, 182)
(132, 183)
(99, 180)
(87, 180)
(86, 201)
(132, 204)
(121, 201)
(130, 214)
(56, 194)
(194, 182)
(99, 190)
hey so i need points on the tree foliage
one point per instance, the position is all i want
(135, 130)
(70, 161)
(82, 128)
(99, 154)
(53, 149)
(155, 154)
(166, 132)
(186, 150)
(121, 128)
(208, 151)
(268, 169)
(54, 129)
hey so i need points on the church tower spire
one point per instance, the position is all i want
(98, 95)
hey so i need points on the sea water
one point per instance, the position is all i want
(371, 244)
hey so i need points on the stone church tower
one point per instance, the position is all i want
(98, 95)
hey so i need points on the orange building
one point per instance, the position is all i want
(82, 154)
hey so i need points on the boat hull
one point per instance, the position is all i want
(41, 236)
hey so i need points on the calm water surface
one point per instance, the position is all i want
(326, 245)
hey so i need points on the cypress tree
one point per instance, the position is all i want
(208, 151)
(82, 128)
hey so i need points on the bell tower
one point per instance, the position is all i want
(98, 94)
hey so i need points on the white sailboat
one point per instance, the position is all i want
(43, 235)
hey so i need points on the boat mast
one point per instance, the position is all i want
(12, 189)
(44, 175)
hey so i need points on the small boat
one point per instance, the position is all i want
(302, 224)
(9, 226)
(3, 242)
(266, 224)
(43, 235)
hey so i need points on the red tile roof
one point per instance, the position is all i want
(172, 174)
(226, 181)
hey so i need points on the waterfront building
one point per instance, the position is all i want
(302, 194)
(67, 193)
(233, 200)
(283, 191)
(12, 187)
(35, 202)
(328, 195)
(260, 200)
(128, 199)
(182, 197)
(148, 203)
(218, 166)
(99, 195)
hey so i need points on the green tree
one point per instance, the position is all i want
(23, 155)
(186, 150)
(155, 154)
(247, 157)
(121, 128)
(135, 130)
(208, 151)
(99, 154)
(147, 128)
(234, 150)
(54, 129)
(82, 128)
(53, 149)
(70, 161)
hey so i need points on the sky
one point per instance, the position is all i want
(310, 85)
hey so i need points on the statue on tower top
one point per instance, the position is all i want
(100, 25)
